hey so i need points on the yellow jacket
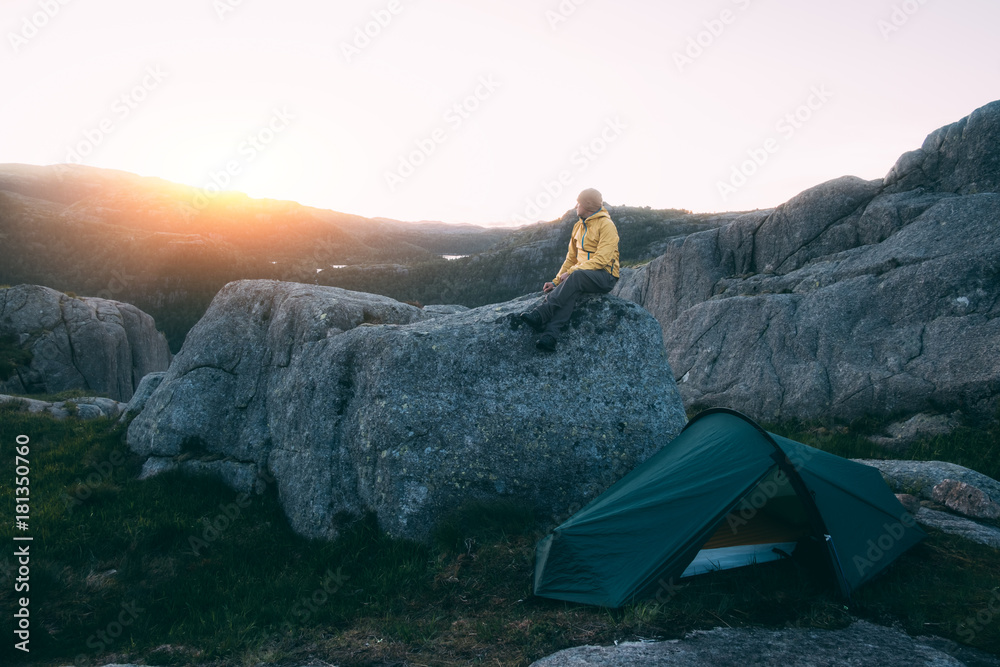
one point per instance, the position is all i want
(594, 245)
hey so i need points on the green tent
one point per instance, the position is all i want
(724, 493)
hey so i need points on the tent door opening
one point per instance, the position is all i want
(766, 525)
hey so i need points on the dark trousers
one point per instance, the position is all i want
(558, 304)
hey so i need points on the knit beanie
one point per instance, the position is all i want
(591, 198)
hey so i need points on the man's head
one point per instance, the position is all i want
(589, 202)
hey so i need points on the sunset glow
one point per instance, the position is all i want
(491, 112)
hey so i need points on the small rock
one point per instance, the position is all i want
(98, 580)
(956, 525)
(965, 499)
(156, 465)
(109, 407)
(920, 477)
(86, 411)
(900, 435)
(90, 407)
(31, 405)
(910, 503)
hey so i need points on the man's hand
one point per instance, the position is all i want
(548, 287)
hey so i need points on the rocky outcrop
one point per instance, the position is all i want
(353, 403)
(854, 297)
(79, 343)
(862, 643)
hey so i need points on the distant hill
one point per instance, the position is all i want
(276, 230)
(168, 248)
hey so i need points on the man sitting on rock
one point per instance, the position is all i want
(591, 266)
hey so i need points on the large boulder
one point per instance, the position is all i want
(353, 403)
(854, 297)
(861, 643)
(79, 342)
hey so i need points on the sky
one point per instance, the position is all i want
(491, 112)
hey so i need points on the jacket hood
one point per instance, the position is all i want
(603, 213)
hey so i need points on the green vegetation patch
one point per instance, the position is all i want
(974, 444)
(177, 570)
(12, 356)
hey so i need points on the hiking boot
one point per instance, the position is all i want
(546, 343)
(533, 319)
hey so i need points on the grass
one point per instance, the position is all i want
(66, 395)
(177, 570)
(974, 444)
(12, 356)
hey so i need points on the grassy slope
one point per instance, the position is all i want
(253, 591)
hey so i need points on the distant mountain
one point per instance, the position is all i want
(168, 248)
(277, 230)
(112, 234)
